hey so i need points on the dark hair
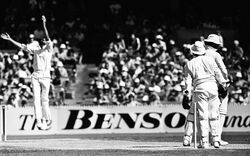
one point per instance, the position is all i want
(40, 41)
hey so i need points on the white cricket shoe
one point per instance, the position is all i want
(216, 144)
(223, 143)
(41, 125)
(49, 124)
(186, 140)
(204, 145)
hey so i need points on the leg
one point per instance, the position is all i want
(223, 112)
(189, 129)
(202, 105)
(187, 139)
(45, 85)
(214, 121)
(36, 98)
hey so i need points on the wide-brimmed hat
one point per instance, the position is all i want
(213, 38)
(198, 48)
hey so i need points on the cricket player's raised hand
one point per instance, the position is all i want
(44, 26)
(43, 18)
(5, 36)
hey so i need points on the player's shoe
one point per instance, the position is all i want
(186, 140)
(216, 144)
(41, 126)
(204, 145)
(49, 124)
(223, 143)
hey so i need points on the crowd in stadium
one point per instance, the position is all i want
(142, 63)
(139, 71)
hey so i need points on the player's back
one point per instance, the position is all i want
(202, 68)
(218, 60)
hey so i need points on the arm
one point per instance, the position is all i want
(221, 66)
(123, 46)
(7, 37)
(188, 82)
(45, 28)
(223, 84)
(138, 44)
(49, 44)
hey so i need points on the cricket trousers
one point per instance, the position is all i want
(206, 98)
(41, 87)
(223, 113)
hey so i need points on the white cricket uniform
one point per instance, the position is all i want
(41, 78)
(201, 73)
(218, 59)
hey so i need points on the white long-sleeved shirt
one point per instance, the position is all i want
(42, 58)
(218, 59)
(200, 70)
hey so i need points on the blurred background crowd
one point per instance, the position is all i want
(137, 47)
(143, 71)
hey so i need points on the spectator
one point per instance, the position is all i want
(161, 44)
(135, 43)
(60, 70)
(119, 43)
(237, 55)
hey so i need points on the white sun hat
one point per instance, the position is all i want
(213, 38)
(198, 48)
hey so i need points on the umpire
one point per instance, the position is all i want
(212, 44)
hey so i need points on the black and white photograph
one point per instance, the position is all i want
(113, 77)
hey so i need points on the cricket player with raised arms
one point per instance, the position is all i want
(40, 78)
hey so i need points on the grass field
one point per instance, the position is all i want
(118, 145)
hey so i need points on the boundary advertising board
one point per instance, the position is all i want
(116, 119)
